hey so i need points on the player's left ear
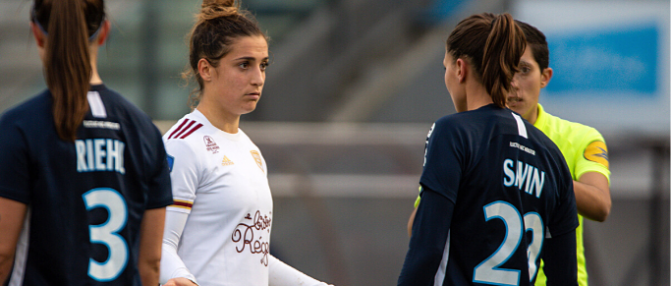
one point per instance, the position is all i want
(462, 70)
(104, 32)
(546, 75)
(38, 34)
(205, 70)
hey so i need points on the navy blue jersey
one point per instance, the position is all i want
(85, 199)
(509, 190)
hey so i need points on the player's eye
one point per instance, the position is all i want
(264, 65)
(244, 65)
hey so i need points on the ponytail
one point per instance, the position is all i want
(68, 66)
(67, 25)
(493, 45)
(503, 50)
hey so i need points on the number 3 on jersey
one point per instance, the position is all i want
(488, 271)
(106, 233)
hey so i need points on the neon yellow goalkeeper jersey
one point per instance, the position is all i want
(585, 151)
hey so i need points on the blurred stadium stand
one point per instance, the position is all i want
(352, 90)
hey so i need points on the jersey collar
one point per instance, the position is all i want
(542, 118)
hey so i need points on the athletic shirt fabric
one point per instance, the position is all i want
(220, 181)
(497, 169)
(101, 184)
(585, 151)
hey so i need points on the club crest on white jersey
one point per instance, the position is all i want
(210, 144)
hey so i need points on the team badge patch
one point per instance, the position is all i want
(210, 144)
(597, 152)
(171, 161)
(257, 158)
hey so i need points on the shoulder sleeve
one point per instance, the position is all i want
(160, 190)
(564, 217)
(185, 172)
(560, 260)
(443, 159)
(591, 154)
(15, 162)
(428, 241)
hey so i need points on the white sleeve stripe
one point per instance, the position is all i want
(21, 256)
(179, 209)
(520, 126)
(442, 269)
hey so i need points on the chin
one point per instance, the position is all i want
(516, 110)
(248, 110)
(517, 107)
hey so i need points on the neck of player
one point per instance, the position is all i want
(218, 117)
(477, 96)
(93, 57)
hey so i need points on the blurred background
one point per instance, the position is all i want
(354, 86)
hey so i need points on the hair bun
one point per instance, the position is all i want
(212, 9)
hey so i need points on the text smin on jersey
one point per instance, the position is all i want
(523, 176)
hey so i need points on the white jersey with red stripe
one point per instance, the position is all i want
(220, 186)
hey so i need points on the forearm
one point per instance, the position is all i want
(172, 265)
(281, 274)
(151, 236)
(592, 195)
(12, 215)
(5, 267)
(411, 220)
(149, 273)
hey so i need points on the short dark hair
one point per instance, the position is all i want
(539, 46)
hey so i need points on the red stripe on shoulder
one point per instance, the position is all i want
(191, 131)
(178, 128)
(185, 129)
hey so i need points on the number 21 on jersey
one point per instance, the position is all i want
(106, 233)
(489, 271)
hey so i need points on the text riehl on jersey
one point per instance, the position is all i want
(100, 154)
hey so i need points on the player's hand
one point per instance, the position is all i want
(180, 281)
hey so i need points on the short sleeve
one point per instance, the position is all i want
(184, 174)
(443, 161)
(592, 155)
(160, 189)
(14, 162)
(565, 215)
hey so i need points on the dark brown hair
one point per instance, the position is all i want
(67, 66)
(537, 43)
(493, 45)
(217, 25)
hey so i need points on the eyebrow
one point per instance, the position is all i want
(525, 62)
(250, 59)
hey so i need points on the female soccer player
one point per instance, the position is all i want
(84, 179)
(218, 230)
(583, 147)
(496, 192)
